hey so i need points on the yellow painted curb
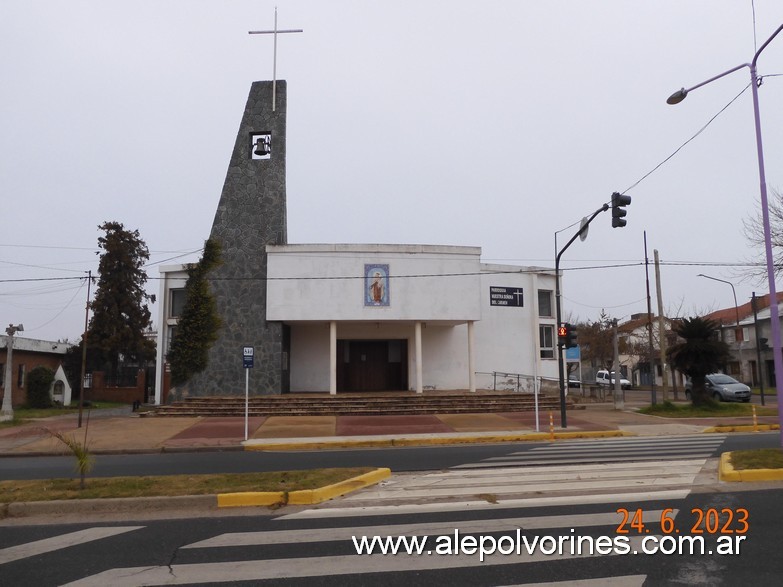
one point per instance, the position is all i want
(311, 496)
(742, 428)
(726, 472)
(397, 442)
(301, 497)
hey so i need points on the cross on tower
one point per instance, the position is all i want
(274, 32)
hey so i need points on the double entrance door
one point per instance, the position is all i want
(372, 365)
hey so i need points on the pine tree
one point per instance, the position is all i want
(198, 326)
(120, 313)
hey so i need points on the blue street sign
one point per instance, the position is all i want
(573, 354)
(247, 357)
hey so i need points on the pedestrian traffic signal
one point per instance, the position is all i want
(619, 201)
(562, 332)
(567, 335)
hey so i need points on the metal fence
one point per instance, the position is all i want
(517, 382)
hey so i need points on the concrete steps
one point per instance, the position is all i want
(359, 404)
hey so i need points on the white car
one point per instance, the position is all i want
(603, 377)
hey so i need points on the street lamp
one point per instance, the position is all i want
(678, 97)
(736, 308)
(7, 411)
(737, 335)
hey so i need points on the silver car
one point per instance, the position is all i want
(723, 388)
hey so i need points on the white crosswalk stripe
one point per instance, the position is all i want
(21, 551)
(289, 568)
(426, 529)
(608, 450)
(501, 483)
(462, 506)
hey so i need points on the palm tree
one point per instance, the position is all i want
(700, 354)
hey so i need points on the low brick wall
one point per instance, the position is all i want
(123, 395)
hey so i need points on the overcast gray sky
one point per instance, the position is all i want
(487, 123)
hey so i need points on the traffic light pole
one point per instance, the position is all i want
(560, 344)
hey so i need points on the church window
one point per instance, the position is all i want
(177, 303)
(545, 303)
(546, 338)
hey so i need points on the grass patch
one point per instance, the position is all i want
(173, 485)
(762, 458)
(24, 415)
(668, 409)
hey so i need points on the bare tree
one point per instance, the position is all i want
(753, 229)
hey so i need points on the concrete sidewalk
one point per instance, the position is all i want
(121, 431)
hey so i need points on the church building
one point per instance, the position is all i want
(336, 318)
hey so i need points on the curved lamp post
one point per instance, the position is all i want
(678, 97)
(736, 312)
(734, 291)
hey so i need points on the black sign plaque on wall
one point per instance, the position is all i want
(506, 296)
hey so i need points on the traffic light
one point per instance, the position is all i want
(562, 333)
(763, 344)
(567, 335)
(571, 337)
(619, 201)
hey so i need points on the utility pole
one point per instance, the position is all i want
(84, 348)
(7, 411)
(759, 367)
(651, 354)
(661, 327)
(619, 403)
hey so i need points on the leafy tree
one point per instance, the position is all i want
(596, 341)
(39, 380)
(198, 326)
(120, 313)
(700, 354)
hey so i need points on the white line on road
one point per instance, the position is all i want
(559, 500)
(317, 566)
(14, 553)
(423, 529)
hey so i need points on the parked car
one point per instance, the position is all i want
(573, 382)
(722, 388)
(603, 377)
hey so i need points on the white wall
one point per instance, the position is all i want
(455, 291)
(426, 282)
(171, 277)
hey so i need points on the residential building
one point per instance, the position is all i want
(28, 354)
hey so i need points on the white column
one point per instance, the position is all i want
(333, 358)
(7, 412)
(419, 378)
(471, 357)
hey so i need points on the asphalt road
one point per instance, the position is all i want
(300, 549)
(397, 459)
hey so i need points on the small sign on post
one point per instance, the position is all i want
(247, 357)
(248, 353)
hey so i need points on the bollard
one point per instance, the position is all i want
(755, 420)
(551, 426)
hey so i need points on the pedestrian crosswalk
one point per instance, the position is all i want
(608, 450)
(325, 550)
